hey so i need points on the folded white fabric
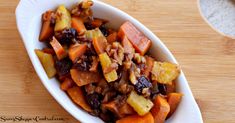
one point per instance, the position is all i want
(220, 14)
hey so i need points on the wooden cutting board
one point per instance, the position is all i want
(206, 57)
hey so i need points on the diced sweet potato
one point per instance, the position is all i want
(164, 72)
(63, 18)
(59, 50)
(160, 109)
(78, 97)
(173, 100)
(149, 65)
(66, 84)
(97, 22)
(140, 104)
(77, 23)
(49, 51)
(100, 43)
(76, 51)
(148, 118)
(140, 42)
(128, 48)
(63, 77)
(105, 63)
(112, 37)
(170, 88)
(47, 62)
(112, 106)
(84, 77)
(126, 109)
(47, 29)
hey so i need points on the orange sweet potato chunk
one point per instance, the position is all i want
(112, 106)
(128, 48)
(48, 50)
(126, 109)
(77, 23)
(99, 44)
(170, 88)
(77, 51)
(173, 99)
(160, 109)
(66, 84)
(78, 97)
(47, 29)
(112, 37)
(148, 118)
(140, 42)
(84, 77)
(59, 50)
(97, 22)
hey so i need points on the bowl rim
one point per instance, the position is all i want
(22, 31)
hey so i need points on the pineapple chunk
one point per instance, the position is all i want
(106, 62)
(63, 18)
(140, 104)
(47, 62)
(164, 72)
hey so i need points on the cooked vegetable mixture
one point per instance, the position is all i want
(107, 72)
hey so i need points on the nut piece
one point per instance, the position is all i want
(146, 92)
(143, 60)
(115, 45)
(132, 77)
(127, 65)
(137, 58)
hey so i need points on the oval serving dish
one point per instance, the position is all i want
(28, 17)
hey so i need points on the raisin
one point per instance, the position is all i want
(162, 88)
(83, 66)
(89, 88)
(104, 30)
(90, 50)
(142, 83)
(155, 89)
(84, 63)
(88, 26)
(94, 100)
(67, 36)
(108, 117)
(82, 39)
(96, 112)
(63, 66)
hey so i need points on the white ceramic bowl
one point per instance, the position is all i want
(28, 16)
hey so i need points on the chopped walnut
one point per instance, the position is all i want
(146, 92)
(139, 59)
(120, 52)
(89, 88)
(116, 52)
(127, 65)
(86, 4)
(83, 9)
(94, 64)
(133, 78)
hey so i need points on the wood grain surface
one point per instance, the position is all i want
(206, 57)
